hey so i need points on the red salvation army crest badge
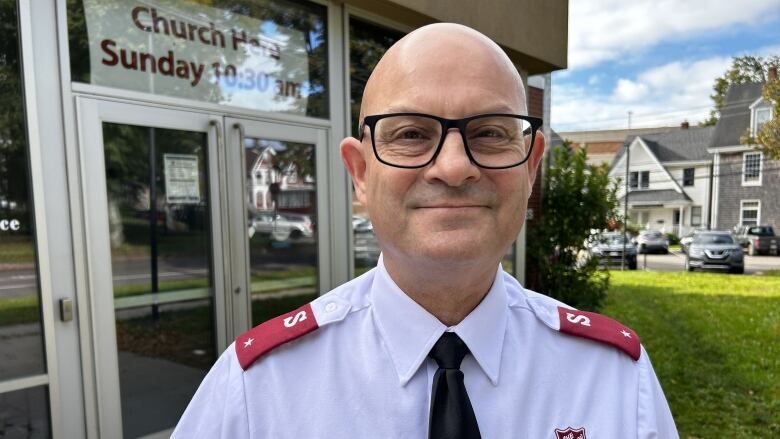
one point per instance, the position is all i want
(570, 433)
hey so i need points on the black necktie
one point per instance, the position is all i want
(452, 416)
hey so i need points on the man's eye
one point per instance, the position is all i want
(490, 133)
(410, 134)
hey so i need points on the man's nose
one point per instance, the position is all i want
(452, 165)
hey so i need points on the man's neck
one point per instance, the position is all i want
(449, 292)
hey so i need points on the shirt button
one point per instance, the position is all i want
(331, 306)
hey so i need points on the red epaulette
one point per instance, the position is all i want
(600, 328)
(269, 335)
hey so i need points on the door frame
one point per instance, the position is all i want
(91, 114)
(230, 249)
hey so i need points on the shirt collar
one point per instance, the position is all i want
(409, 331)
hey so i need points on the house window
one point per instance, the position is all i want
(644, 179)
(750, 212)
(676, 217)
(696, 215)
(751, 168)
(633, 180)
(688, 174)
(760, 117)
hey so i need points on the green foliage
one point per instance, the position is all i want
(673, 238)
(712, 339)
(577, 198)
(768, 136)
(743, 69)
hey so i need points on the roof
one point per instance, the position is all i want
(676, 146)
(735, 116)
(612, 135)
(655, 196)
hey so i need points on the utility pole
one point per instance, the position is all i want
(625, 200)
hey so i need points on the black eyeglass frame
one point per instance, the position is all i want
(447, 125)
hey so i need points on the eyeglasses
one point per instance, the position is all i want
(413, 140)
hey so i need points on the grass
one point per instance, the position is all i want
(17, 250)
(713, 340)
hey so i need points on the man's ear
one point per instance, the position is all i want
(353, 155)
(536, 156)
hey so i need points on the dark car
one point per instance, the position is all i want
(717, 250)
(608, 248)
(758, 240)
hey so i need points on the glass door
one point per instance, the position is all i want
(151, 187)
(279, 223)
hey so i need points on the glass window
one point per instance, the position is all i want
(696, 215)
(268, 55)
(762, 116)
(160, 238)
(633, 180)
(749, 213)
(688, 176)
(24, 412)
(644, 180)
(751, 167)
(281, 213)
(367, 43)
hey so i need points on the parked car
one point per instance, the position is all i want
(715, 249)
(361, 224)
(283, 226)
(608, 248)
(686, 240)
(757, 240)
(652, 241)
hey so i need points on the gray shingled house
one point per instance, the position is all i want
(746, 183)
(669, 177)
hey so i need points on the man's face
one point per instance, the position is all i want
(450, 210)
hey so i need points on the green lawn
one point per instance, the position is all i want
(714, 340)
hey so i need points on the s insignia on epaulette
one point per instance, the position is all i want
(600, 328)
(269, 335)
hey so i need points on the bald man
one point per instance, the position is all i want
(437, 341)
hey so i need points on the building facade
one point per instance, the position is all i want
(669, 180)
(745, 179)
(170, 177)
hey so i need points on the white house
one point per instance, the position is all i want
(669, 176)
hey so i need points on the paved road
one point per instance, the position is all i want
(676, 262)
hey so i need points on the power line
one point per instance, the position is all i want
(658, 115)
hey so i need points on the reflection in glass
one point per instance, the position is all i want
(158, 211)
(281, 218)
(367, 43)
(25, 414)
(21, 339)
(268, 55)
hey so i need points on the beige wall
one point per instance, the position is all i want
(533, 32)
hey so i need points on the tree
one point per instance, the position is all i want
(743, 69)
(767, 138)
(578, 198)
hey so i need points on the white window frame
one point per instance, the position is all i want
(756, 182)
(742, 211)
(754, 118)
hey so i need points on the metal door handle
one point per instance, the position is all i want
(218, 127)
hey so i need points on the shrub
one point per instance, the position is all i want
(577, 198)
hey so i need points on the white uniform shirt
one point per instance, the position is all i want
(364, 373)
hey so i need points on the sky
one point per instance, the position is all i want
(656, 58)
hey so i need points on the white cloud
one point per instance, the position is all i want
(664, 95)
(606, 30)
(629, 91)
